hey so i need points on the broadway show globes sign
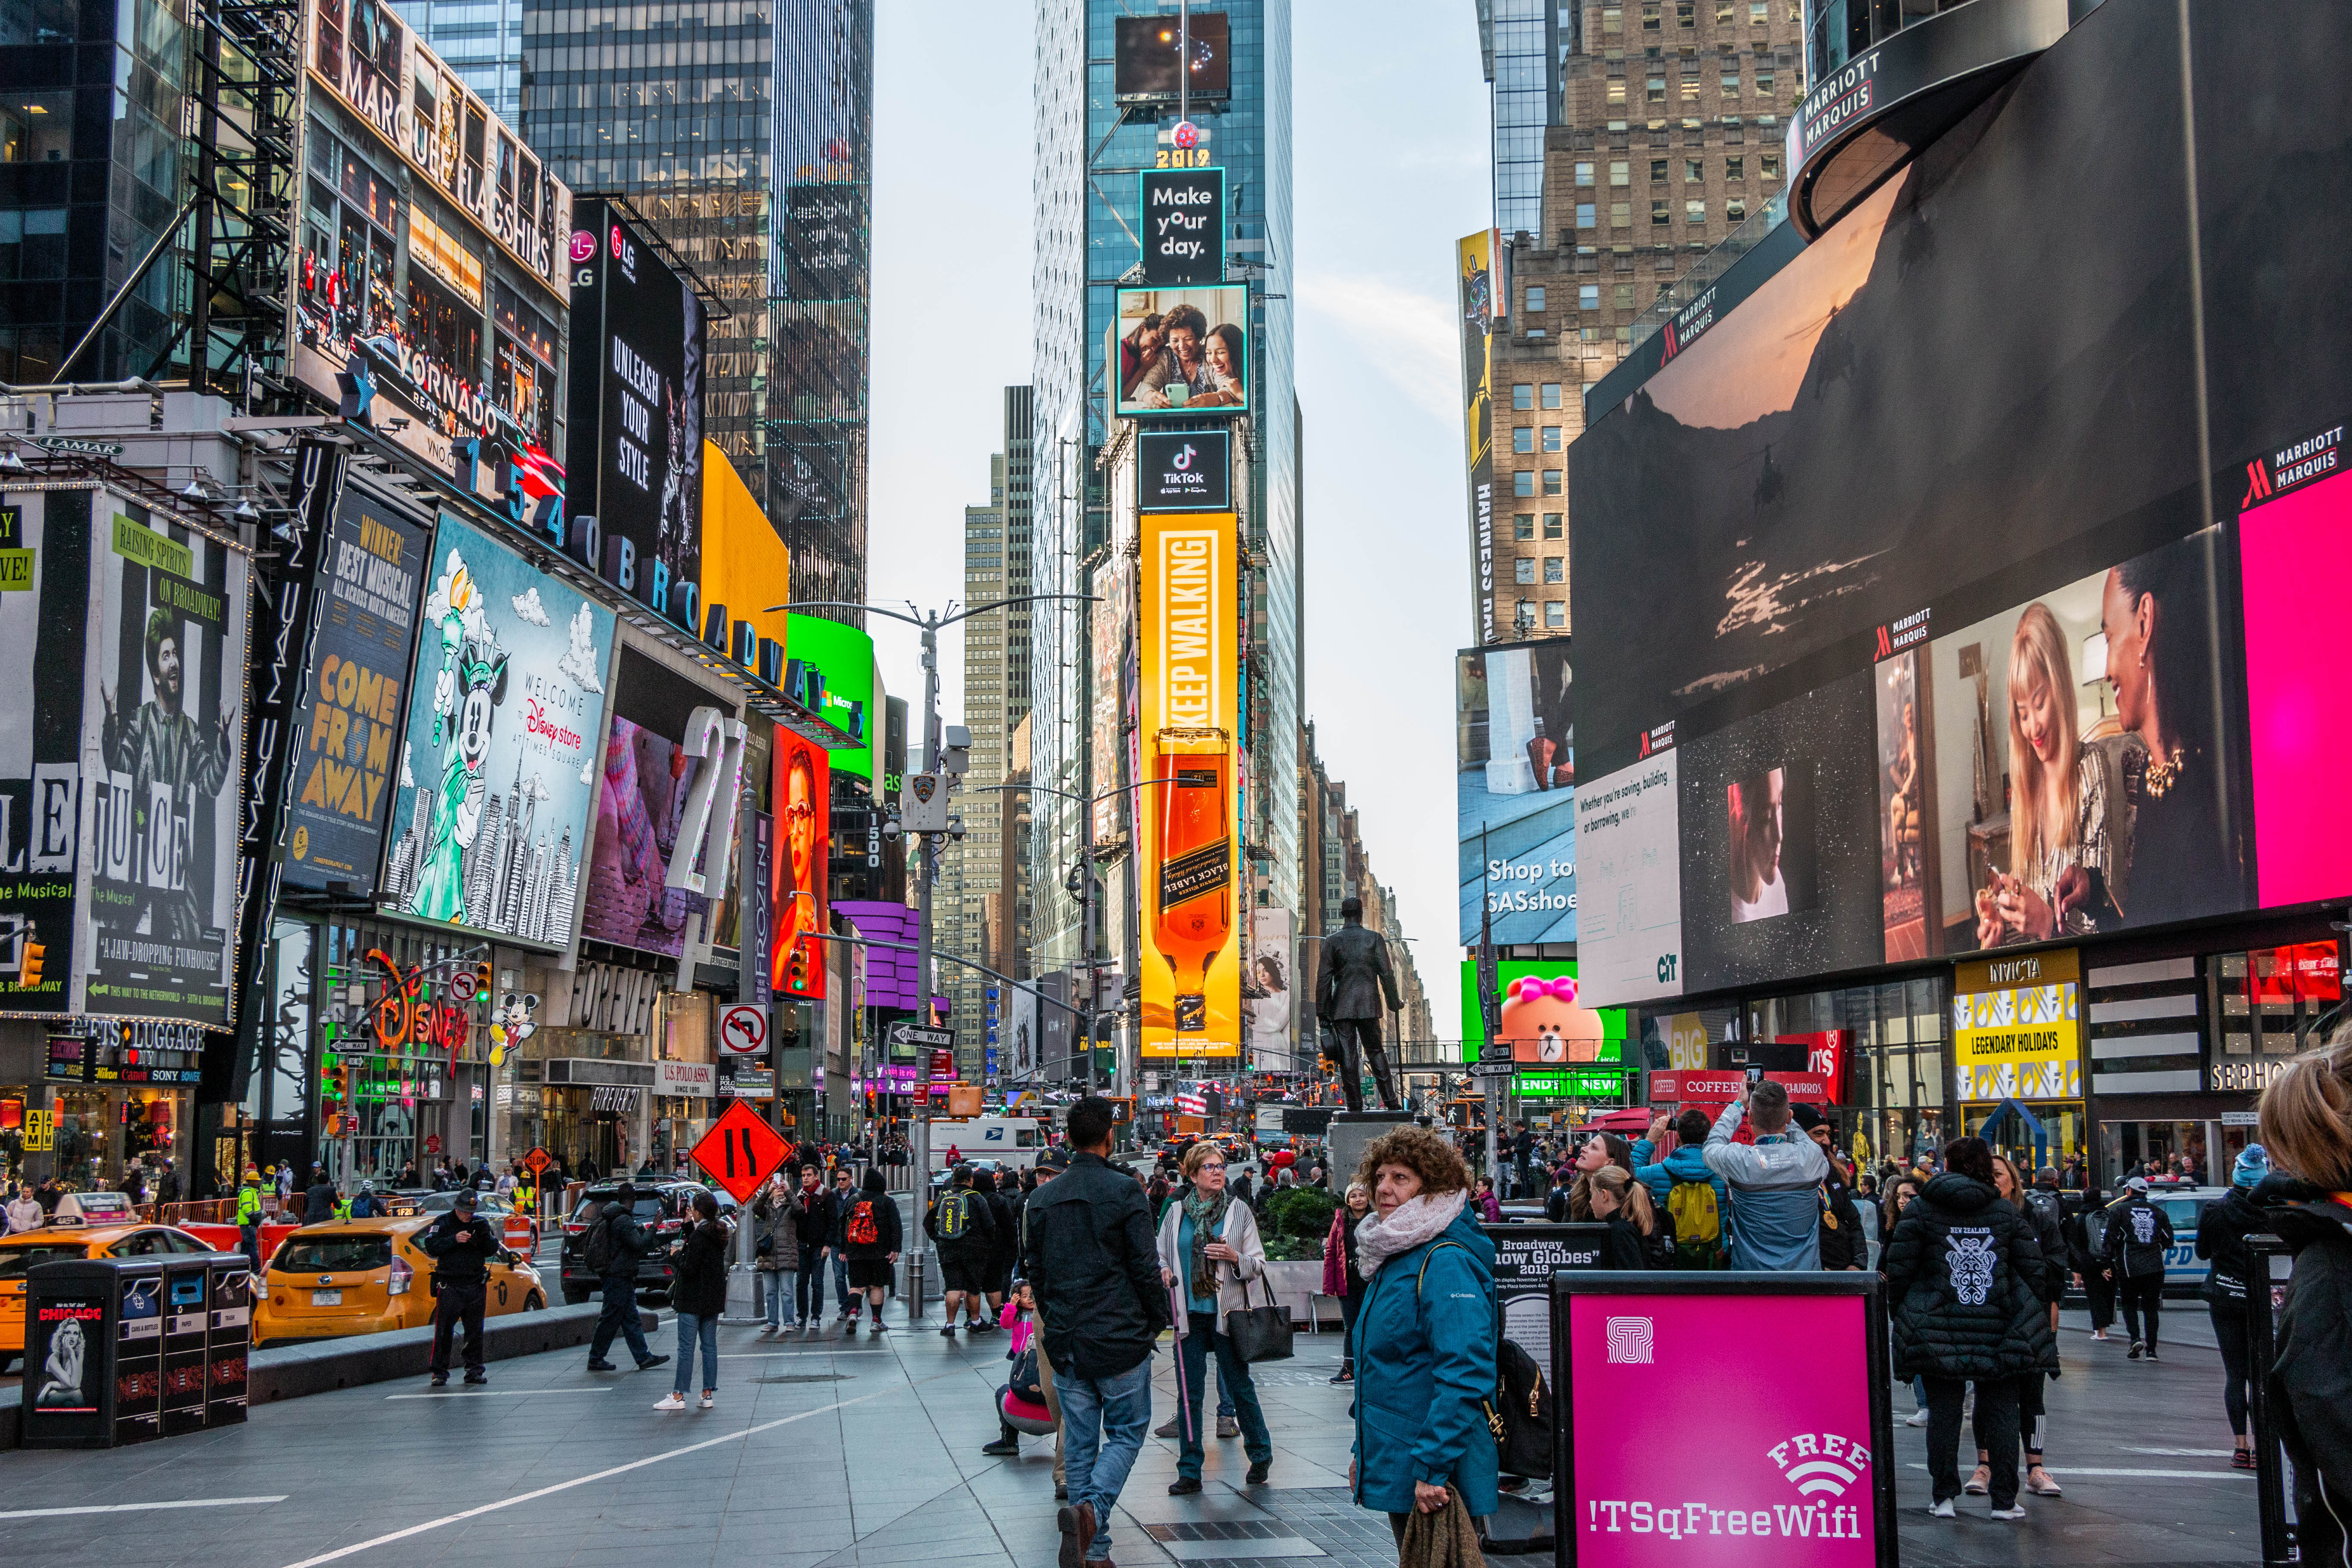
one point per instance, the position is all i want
(1794, 1474)
(1190, 786)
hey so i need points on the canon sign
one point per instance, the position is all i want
(1184, 470)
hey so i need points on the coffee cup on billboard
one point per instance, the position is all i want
(1177, 393)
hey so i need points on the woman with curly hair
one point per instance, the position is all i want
(1424, 1340)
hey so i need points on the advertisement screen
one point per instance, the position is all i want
(1149, 62)
(1922, 525)
(802, 799)
(652, 805)
(1791, 1478)
(498, 768)
(1183, 213)
(1183, 350)
(1476, 305)
(1543, 1018)
(635, 453)
(1515, 793)
(44, 545)
(1267, 990)
(829, 671)
(162, 720)
(1110, 625)
(1190, 793)
(373, 576)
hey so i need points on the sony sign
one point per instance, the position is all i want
(1183, 226)
(1184, 470)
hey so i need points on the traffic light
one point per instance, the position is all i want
(29, 975)
(796, 970)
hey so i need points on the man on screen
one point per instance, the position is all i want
(1757, 888)
(171, 761)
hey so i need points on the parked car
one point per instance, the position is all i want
(660, 1206)
(365, 1276)
(51, 1243)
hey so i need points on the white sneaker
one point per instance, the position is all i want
(2015, 1511)
(707, 1402)
(1944, 1509)
(674, 1401)
(1916, 1418)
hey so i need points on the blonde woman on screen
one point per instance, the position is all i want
(2060, 852)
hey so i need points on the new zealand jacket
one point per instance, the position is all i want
(1093, 1265)
(1961, 1273)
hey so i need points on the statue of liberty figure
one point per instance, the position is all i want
(466, 699)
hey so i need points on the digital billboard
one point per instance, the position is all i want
(44, 547)
(1182, 350)
(1912, 622)
(431, 273)
(498, 765)
(1515, 793)
(1183, 226)
(1184, 470)
(802, 799)
(633, 457)
(1543, 1018)
(829, 671)
(1475, 307)
(1191, 789)
(1110, 624)
(1149, 62)
(654, 806)
(162, 753)
(347, 741)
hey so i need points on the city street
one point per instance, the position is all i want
(830, 1452)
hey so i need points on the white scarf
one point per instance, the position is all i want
(1411, 1223)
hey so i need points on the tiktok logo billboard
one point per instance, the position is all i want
(1184, 470)
(1793, 1471)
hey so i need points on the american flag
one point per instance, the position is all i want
(1191, 1102)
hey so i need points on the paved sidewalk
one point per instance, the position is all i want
(863, 1453)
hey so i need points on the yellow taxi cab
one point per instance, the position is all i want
(21, 1251)
(365, 1276)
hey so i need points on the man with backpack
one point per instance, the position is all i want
(2133, 1256)
(616, 1244)
(868, 1229)
(1690, 1197)
(1775, 1210)
(964, 1230)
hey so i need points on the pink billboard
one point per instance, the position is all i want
(1790, 1476)
(2295, 555)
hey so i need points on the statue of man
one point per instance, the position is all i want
(1355, 975)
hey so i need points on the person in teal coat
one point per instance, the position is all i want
(1424, 1336)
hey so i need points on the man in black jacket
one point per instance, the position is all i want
(1093, 1265)
(813, 1216)
(319, 1198)
(462, 1246)
(963, 1225)
(625, 1244)
(2137, 1234)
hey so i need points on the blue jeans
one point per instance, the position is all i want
(778, 1289)
(693, 1330)
(808, 1285)
(1104, 1420)
(1233, 1379)
(620, 1316)
(841, 1297)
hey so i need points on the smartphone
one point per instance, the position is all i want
(1755, 1077)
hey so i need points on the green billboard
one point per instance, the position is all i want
(829, 669)
(1542, 1018)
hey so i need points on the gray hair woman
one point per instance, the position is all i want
(1209, 1250)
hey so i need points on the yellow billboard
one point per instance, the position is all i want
(745, 566)
(2025, 1043)
(1189, 848)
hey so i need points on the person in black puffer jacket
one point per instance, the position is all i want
(2040, 1211)
(698, 1293)
(2222, 1232)
(2306, 1125)
(1961, 1272)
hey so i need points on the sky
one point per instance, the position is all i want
(1390, 125)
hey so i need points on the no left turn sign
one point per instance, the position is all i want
(743, 1030)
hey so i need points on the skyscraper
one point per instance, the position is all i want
(1089, 149)
(1519, 44)
(481, 41)
(677, 109)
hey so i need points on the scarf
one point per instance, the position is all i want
(1413, 1222)
(1207, 1212)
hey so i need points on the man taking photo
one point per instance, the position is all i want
(1776, 1215)
(1093, 1266)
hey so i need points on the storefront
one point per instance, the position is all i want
(2017, 1049)
(89, 1098)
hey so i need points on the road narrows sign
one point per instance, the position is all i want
(741, 1150)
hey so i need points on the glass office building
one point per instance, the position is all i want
(1522, 42)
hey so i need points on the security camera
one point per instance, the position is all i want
(891, 829)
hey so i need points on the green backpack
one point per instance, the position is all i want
(1698, 1225)
(954, 1216)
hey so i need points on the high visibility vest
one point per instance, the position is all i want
(343, 1208)
(248, 1205)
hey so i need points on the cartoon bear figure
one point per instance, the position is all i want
(1542, 1016)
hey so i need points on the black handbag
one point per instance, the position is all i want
(1259, 1333)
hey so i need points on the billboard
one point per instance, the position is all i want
(1183, 214)
(45, 540)
(1182, 350)
(457, 363)
(340, 796)
(163, 723)
(1184, 470)
(1148, 61)
(1543, 1018)
(829, 671)
(1908, 628)
(1191, 789)
(1269, 990)
(1515, 793)
(1477, 308)
(801, 798)
(654, 806)
(498, 770)
(633, 457)
(1108, 626)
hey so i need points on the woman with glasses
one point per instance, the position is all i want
(1209, 1251)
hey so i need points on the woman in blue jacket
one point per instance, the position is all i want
(1424, 1339)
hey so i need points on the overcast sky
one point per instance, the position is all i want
(1390, 115)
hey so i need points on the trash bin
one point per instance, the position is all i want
(120, 1350)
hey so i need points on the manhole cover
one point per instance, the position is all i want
(806, 1378)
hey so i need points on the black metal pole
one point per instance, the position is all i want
(2271, 1258)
